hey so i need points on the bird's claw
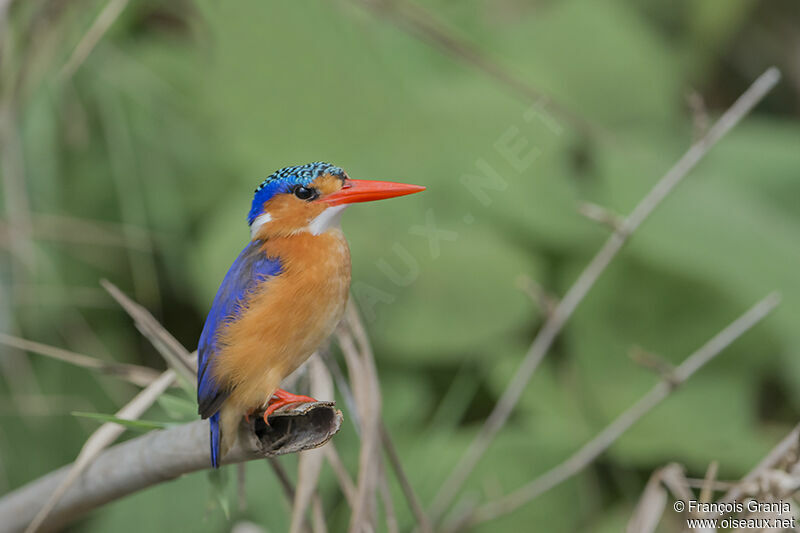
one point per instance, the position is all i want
(282, 398)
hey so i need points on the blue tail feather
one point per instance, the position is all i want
(215, 439)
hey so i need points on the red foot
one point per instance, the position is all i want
(282, 398)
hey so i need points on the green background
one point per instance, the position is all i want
(140, 168)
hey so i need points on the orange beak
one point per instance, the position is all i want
(354, 191)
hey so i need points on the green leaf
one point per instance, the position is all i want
(136, 425)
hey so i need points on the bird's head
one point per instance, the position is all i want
(311, 198)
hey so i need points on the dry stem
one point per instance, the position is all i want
(600, 443)
(577, 292)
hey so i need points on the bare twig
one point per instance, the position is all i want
(650, 508)
(344, 387)
(47, 405)
(577, 292)
(15, 192)
(309, 463)
(700, 118)
(601, 215)
(418, 22)
(130, 201)
(17, 371)
(184, 363)
(342, 475)
(288, 487)
(76, 330)
(283, 478)
(68, 229)
(138, 375)
(163, 455)
(51, 294)
(714, 485)
(99, 27)
(241, 486)
(247, 527)
(600, 443)
(394, 459)
(318, 515)
(4, 4)
(707, 489)
(388, 504)
(546, 302)
(367, 396)
(414, 504)
(405, 485)
(651, 361)
(674, 478)
(4, 485)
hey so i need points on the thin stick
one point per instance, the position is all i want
(283, 478)
(15, 192)
(138, 375)
(342, 475)
(405, 485)
(707, 489)
(176, 355)
(287, 486)
(75, 230)
(241, 486)
(388, 504)
(99, 27)
(394, 459)
(418, 22)
(649, 510)
(309, 464)
(673, 476)
(577, 292)
(600, 443)
(117, 134)
(17, 371)
(318, 522)
(344, 387)
(368, 400)
(714, 485)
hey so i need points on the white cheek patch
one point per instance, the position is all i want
(326, 220)
(258, 222)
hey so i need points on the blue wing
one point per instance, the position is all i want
(249, 269)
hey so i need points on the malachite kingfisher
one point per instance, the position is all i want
(282, 297)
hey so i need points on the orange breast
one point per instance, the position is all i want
(285, 319)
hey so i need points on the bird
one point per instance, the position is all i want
(282, 297)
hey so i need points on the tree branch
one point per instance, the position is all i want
(141, 376)
(578, 291)
(100, 26)
(163, 455)
(418, 22)
(603, 440)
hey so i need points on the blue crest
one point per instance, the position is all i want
(282, 181)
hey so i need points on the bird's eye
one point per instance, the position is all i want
(305, 193)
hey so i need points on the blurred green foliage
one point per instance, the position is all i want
(159, 137)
